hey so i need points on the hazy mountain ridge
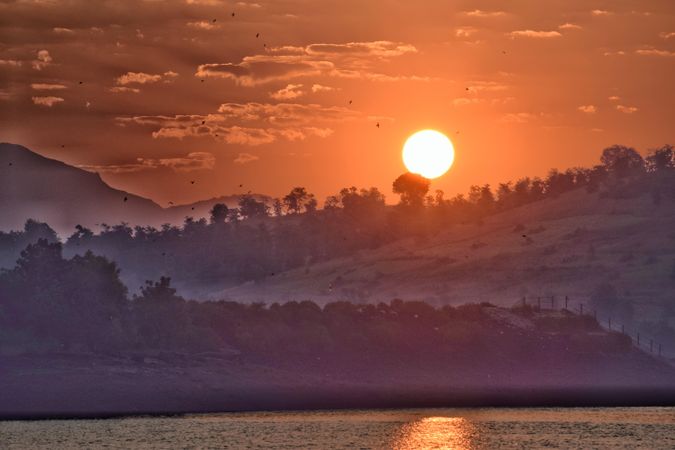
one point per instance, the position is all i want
(36, 187)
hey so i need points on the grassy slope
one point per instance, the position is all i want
(633, 242)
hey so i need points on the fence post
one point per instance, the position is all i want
(566, 300)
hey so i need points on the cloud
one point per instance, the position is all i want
(137, 78)
(667, 35)
(535, 34)
(249, 5)
(569, 26)
(118, 89)
(465, 32)
(140, 78)
(42, 60)
(285, 113)
(655, 52)
(202, 25)
(626, 109)
(47, 101)
(382, 49)
(191, 162)
(517, 118)
(614, 98)
(463, 101)
(290, 92)
(485, 86)
(616, 53)
(47, 87)
(348, 60)
(588, 109)
(10, 63)
(321, 88)
(248, 123)
(484, 14)
(601, 12)
(245, 158)
(60, 30)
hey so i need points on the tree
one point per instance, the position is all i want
(356, 203)
(412, 188)
(34, 230)
(160, 314)
(298, 200)
(277, 208)
(622, 161)
(219, 213)
(661, 159)
(250, 207)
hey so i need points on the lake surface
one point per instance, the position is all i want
(587, 428)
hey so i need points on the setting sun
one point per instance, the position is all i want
(428, 153)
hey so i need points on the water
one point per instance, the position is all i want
(630, 428)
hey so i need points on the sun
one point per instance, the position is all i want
(428, 153)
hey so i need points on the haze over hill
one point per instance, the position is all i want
(35, 187)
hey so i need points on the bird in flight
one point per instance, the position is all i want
(192, 182)
(257, 35)
(350, 102)
(377, 125)
(232, 14)
(125, 198)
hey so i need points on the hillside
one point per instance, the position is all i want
(573, 244)
(35, 187)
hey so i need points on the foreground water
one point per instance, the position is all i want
(648, 428)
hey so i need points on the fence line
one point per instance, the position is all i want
(559, 303)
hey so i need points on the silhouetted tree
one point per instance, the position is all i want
(219, 213)
(412, 188)
(621, 160)
(298, 199)
(249, 207)
(661, 159)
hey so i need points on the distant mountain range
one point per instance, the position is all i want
(33, 186)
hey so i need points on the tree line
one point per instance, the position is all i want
(49, 303)
(258, 240)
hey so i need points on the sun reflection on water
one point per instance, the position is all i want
(436, 433)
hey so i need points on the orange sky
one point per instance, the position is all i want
(549, 85)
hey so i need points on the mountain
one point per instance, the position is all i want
(33, 186)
